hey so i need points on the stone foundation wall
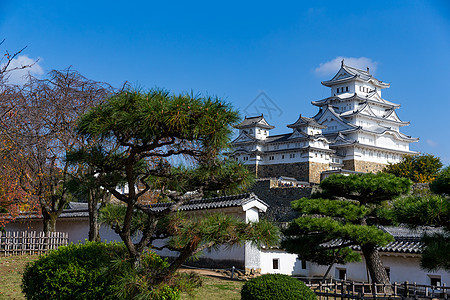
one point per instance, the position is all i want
(279, 199)
(363, 166)
(314, 171)
(304, 171)
(297, 170)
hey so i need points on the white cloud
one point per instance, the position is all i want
(332, 66)
(19, 76)
(432, 143)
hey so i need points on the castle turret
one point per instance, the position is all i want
(257, 127)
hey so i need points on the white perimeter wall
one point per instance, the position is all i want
(78, 229)
(402, 268)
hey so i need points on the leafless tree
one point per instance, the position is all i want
(42, 116)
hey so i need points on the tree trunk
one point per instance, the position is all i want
(375, 266)
(176, 264)
(94, 226)
(49, 222)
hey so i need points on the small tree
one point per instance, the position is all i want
(168, 144)
(419, 168)
(442, 183)
(428, 210)
(343, 214)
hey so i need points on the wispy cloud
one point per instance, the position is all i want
(331, 67)
(432, 143)
(18, 75)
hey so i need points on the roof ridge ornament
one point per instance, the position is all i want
(342, 63)
(368, 70)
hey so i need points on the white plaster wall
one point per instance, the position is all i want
(406, 269)
(402, 268)
(288, 263)
(78, 229)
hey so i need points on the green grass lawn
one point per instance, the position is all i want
(215, 287)
(11, 268)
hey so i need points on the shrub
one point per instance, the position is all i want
(276, 286)
(140, 282)
(72, 272)
(98, 271)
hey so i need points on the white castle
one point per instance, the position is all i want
(355, 129)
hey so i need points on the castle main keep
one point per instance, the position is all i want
(355, 129)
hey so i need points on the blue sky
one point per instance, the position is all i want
(236, 50)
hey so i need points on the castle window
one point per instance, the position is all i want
(303, 264)
(275, 264)
(282, 156)
(435, 280)
(250, 131)
(346, 88)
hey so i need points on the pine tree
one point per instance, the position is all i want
(169, 145)
(345, 213)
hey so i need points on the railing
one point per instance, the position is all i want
(357, 290)
(24, 242)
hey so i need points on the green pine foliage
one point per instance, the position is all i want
(436, 251)
(276, 287)
(442, 183)
(206, 231)
(344, 213)
(173, 147)
(427, 209)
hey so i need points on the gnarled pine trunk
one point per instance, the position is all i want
(375, 266)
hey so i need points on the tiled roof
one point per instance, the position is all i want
(80, 209)
(253, 121)
(213, 203)
(304, 121)
(406, 240)
(353, 73)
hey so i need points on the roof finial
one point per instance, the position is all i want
(342, 62)
(367, 69)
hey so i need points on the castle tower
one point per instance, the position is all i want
(362, 127)
(302, 154)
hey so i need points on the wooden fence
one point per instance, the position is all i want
(24, 242)
(357, 290)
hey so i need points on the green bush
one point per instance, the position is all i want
(97, 271)
(72, 272)
(276, 287)
(140, 282)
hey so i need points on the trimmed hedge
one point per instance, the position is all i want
(276, 287)
(72, 272)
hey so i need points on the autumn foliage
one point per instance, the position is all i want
(419, 168)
